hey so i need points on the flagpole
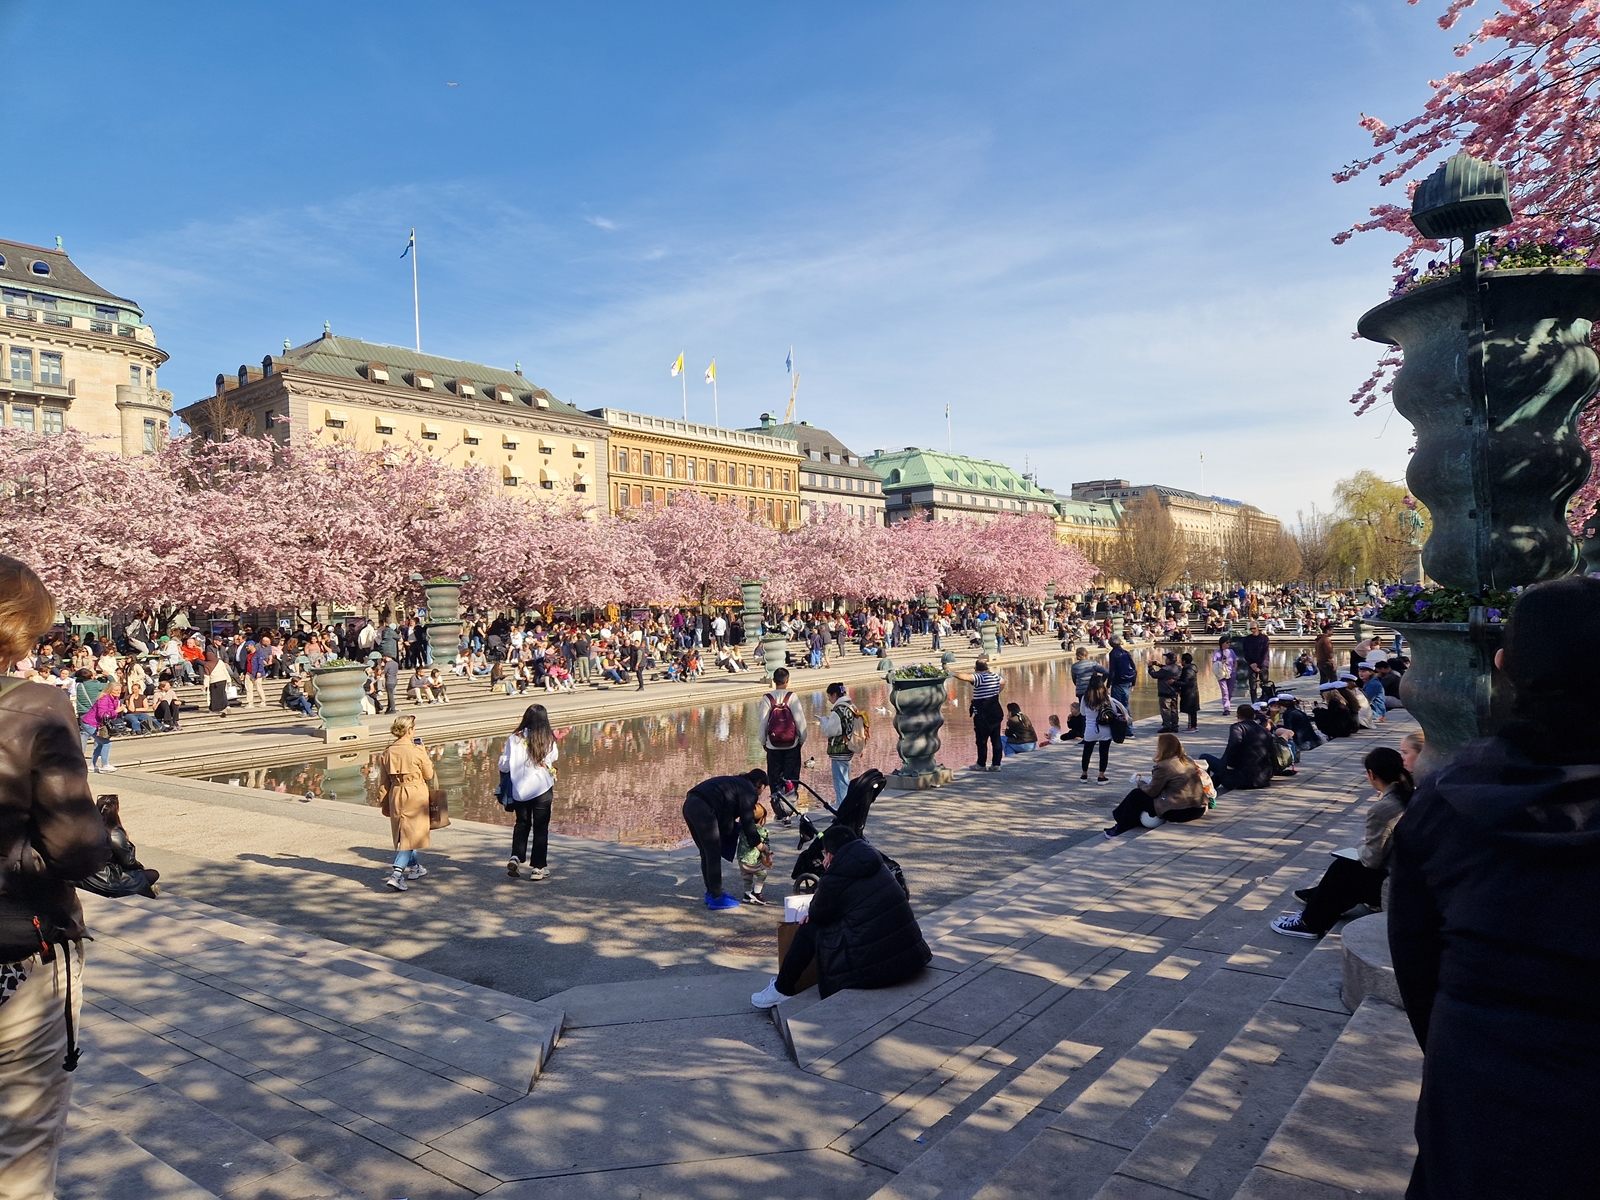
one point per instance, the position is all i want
(683, 378)
(716, 414)
(949, 438)
(416, 305)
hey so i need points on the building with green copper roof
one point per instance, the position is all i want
(946, 487)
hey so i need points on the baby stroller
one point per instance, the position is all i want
(864, 789)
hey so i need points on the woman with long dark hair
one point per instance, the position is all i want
(1100, 709)
(1356, 876)
(529, 758)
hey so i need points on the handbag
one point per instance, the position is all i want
(231, 691)
(505, 793)
(438, 808)
(29, 927)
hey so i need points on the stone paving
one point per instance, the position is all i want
(1103, 1019)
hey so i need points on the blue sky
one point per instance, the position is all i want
(1099, 232)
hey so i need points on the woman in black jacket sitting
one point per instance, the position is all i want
(124, 875)
(1250, 760)
(860, 930)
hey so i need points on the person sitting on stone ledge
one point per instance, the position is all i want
(860, 929)
(1250, 759)
(1494, 925)
(1356, 876)
(1171, 792)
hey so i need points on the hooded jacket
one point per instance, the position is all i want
(1496, 885)
(867, 935)
(1250, 756)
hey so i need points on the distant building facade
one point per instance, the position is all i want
(950, 487)
(651, 459)
(1203, 520)
(74, 356)
(1086, 523)
(376, 395)
(831, 474)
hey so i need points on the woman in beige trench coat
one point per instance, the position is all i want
(405, 771)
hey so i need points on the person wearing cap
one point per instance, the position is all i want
(1122, 673)
(1372, 689)
(860, 929)
(1166, 676)
(837, 724)
(988, 718)
(1295, 720)
(1494, 924)
(1336, 716)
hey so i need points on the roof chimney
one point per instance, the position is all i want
(768, 420)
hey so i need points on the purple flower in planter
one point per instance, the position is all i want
(1494, 615)
(1419, 606)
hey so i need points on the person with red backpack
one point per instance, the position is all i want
(783, 733)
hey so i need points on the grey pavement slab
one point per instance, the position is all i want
(1351, 1128)
(368, 1167)
(632, 1096)
(98, 1163)
(669, 998)
(1068, 1166)
(405, 1098)
(791, 1175)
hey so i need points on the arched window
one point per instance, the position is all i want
(894, 476)
(40, 267)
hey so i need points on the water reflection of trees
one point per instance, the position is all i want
(623, 780)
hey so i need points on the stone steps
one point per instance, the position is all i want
(323, 1069)
(98, 1163)
(1117, 1019)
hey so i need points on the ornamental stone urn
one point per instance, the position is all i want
(1497, 368)
(444, 625)
(989, 632)
(774, 652)
(750, 614)
(338, 695)
(918, 704)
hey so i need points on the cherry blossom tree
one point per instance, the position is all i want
(701, 549)
(1532, 106)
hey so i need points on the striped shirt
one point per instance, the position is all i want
(986, 685)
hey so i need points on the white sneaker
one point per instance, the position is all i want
(107, 769)
(396, 880)
(416, 872)
(769, 996)
(539, 873)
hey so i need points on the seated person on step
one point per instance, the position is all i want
(860, 931)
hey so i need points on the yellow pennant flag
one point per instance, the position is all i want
(677, 367)
(711, 372)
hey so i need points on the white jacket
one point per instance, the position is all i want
(528, 779)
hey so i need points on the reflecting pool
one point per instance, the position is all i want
(623, 780)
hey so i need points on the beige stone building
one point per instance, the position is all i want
(73, 356)
(1203, 520)
(376, 396)
(652, 458)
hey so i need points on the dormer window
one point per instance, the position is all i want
(540, 401)
(377, 373)
(244, 376)
(423, 380)
(266, 366)
(504, 394)
(465, 389)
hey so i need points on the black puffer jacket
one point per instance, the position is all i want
(1494, 925)
(867, 935)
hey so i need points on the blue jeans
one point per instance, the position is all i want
(140, 721)
(102, 753)
(816, 658)
(404, 859)
(1120, 692)
(841, 778)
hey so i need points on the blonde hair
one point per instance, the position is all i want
(1416, 740)
(1168, 746)
(26, 610)
(401, 726)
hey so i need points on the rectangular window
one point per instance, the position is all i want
(788, 511)
(22, 418)
(669, 468)
(383, 428)
(622, 495)
(786, 484)
(752, 504)
(21, 365)
(149, 436)
(772, 510)
(649, 495)
(50, 368)
(769, 477)
(688, 465)
(134, 378)
(429, 436)
(55, 421)
(649, 463)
